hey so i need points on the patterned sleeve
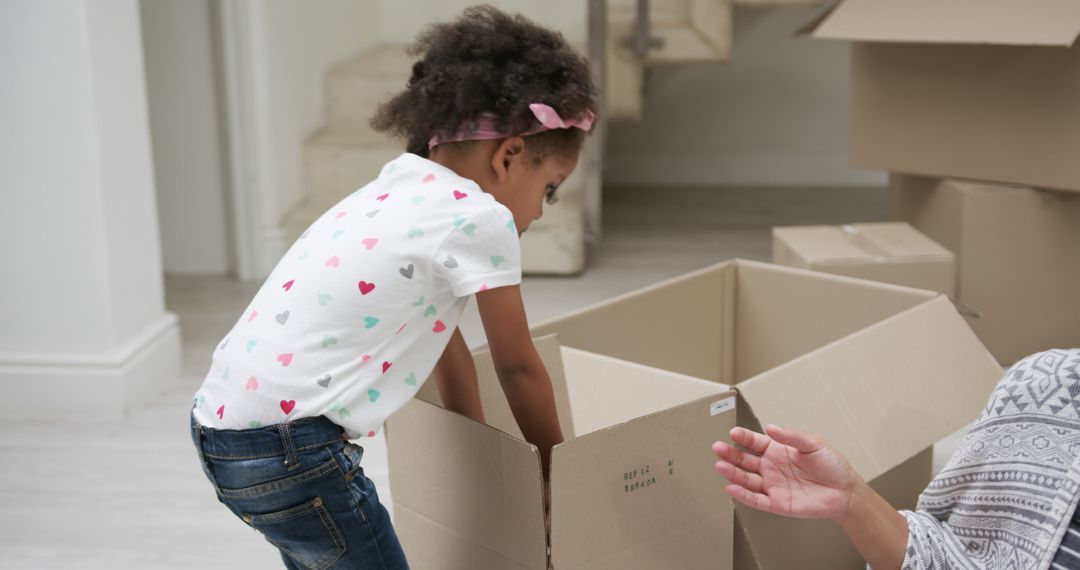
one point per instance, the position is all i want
(482, 252)
(932, 544)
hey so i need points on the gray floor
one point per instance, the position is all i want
(130, 494)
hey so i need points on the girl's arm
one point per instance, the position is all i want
(796, 474)
(522, 375)
(455, 377)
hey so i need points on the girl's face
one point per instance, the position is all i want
(523, 186)
(536, 185)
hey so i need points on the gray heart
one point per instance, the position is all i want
(224, 344)
(450, 262)
(324, 381)
(407, 271)
(282, 317)
(373, 213)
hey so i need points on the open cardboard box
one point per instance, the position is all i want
(1018, 256)
(982, 89)
(632, 487)
(890, 252)
(881, 371)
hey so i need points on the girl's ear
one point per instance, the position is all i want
(509, 154)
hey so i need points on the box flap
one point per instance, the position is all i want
(488, 490)
(606, 391)
(783, 312)
(497, 411)
(430, 544)
(883, 394)
(643, 494)
(1002, 22)
(682, 324)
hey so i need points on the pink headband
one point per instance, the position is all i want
(483, 128)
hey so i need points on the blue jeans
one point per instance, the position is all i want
(301, 486)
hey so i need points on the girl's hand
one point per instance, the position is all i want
(787, 472)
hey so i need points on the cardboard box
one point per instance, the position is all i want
(888, 252)
(881, 371)
(1018, 256)
(632, 487)
(982, 89)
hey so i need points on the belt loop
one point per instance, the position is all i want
(292, 460)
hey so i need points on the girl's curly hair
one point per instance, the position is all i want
(490, 62)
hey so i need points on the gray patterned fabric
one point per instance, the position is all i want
(1005, 499)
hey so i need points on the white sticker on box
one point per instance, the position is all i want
(722, 406)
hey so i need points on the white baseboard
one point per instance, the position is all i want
(89, 387)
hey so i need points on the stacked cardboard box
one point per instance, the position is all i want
(888, 252)
(988, 91)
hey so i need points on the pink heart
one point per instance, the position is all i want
(460, 195)
(252, 384)
(386, 366)
(285, 359)
(369, 243)
(288, 285)
(439, 326)
(221, 412)
(366, 287)
(287, 406)
(383, 197)
(333, 261)
(484, 287)
(371, 433)
(401, 329)
(365, 357)
(253, 315)
(339, 215)
(429, 179)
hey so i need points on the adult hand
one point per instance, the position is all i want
(787, 472)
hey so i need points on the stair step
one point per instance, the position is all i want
(338, 161)
(355, 88)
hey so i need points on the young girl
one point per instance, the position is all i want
(365, 305)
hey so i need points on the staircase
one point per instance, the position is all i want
(346, 153)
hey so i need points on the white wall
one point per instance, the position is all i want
(777, 114)
(297, 43)
(81, 292)
(185, 119)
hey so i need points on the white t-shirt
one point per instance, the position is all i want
(353, 319)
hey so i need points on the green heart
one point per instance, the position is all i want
(251, 345)
(337, 234)
(373, 395)
(469, 229)
(417, 199)
(328, 341)
(510, 226)
(496, 260)
(411, 379)
(225, 375)
(254, 425)
(459, 220)
(415, 232)
(430, 311)
(303, 257)
(344, 413)
(370, 322)
(324, 298)
(418, 302)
